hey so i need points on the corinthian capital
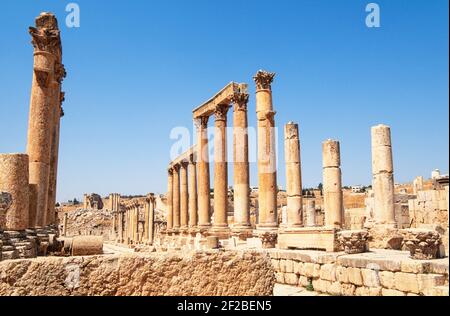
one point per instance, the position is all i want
(201, 122)
(220, 113)
(240, 101)
(264, 79)
(46, 35)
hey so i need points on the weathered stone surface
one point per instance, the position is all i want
(406, 282)
(423, 244)
(388, 292)
(387, 279)
(140, 275)
(353, 241)
(354, 276)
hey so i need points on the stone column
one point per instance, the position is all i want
(151, 226)
(121, 226)
(311, 213)
(85, 201)
(417, 185)
(47, 49)
(332, 184)
(176, 197)
(14, 198)
(146, 219)
(192, 173)
(267, 173)
(184, 197)
(383, 175)
(169, 203)
(241, 165)
(65, 225)
(293, 176)
(204, 218)
(220, 169)
(58, 99)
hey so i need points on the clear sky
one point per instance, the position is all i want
(136, 69)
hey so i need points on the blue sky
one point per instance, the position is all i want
(136, 70)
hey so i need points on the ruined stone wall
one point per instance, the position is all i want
(386, 273)
(210, 274)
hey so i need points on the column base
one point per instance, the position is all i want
(242, 232)
(222, 232)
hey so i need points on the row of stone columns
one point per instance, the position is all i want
(128, 222)
(179, 191)
(182, 196)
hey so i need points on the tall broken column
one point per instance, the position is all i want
(383, 175)
(267, 173)
(204, 219)
(220, 170)
(332, 184)
(14, 191)
(293, 176)
(47, 53)
(151, 216)
(192, 187)
(241, 164)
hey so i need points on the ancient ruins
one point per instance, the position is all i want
(384, 240)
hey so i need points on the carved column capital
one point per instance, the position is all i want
(176, 167)
(201, 122)
(220, 112)
(264, 79)
(184, 164)
(240, 101)
(170, 171)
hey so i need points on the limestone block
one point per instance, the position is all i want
(290, 278)
(368, 291)
(348, 289)
(289, 266)
(341, 274)
(321, 285)
(428, 282)
(303, 281)
(381, 135)
(387, 279)
(279, 276)
(276, 264)
(283, 265)
(370, 278)
(440, 291)
(328, 272)
(413, 266)
(388, 292)
(311, 270)
(298, 267)
(354, 276)
(406, 282)
(87, 245)
(335, 288)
